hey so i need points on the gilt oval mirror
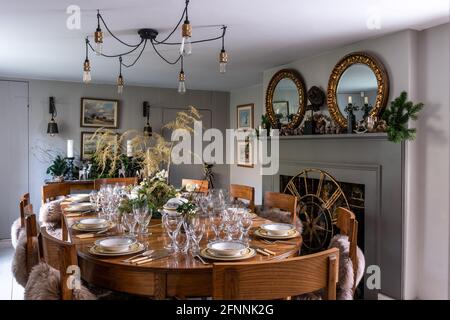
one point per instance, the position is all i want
(286, 99)
(358, 79)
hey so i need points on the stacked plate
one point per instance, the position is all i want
(227, 251)
(116, 246)
(92, 224)
(79, 207)
(79, 197)
(277, 231)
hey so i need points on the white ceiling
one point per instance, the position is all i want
(262, 34)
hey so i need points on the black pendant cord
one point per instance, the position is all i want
(116, 55)
(162, 57)
(120, 66)
(200, 41)
(87, 49)
(114, 36)
(174, 29)
(137, 58)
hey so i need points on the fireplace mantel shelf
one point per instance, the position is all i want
(367, 136)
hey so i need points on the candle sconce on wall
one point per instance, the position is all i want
(146, 113)
(52, 127)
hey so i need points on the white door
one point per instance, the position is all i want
(13, 151)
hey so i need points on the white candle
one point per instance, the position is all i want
(129, 149)
(362, 94)
(366, 100)
(349, 99)
(69, 148)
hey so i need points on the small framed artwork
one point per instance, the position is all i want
(281, 109)
(245, 153)
(245, 116)
(99, 113)
(89, 145)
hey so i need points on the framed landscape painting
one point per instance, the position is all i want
(89, 145)
(99, 113)
(245, 116)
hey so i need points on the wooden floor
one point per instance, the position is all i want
(9, 288)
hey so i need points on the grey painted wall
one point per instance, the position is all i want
(164, 104)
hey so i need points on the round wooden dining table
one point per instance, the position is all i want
(176, 275)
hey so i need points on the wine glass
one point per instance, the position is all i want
(172, 224)
(143, 215)
(130, 221)
(245, 223)
(181, 239)
(215, 221)
(196, 230)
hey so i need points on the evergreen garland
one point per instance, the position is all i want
(397, 117)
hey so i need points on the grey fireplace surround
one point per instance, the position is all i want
(368, 159)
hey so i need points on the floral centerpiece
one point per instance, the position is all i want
(156, 191)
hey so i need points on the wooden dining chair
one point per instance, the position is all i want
(31, 231)
(126, 181)
(282, 201)
(59, 255)
(54, 190)
(238, 191)
(203, 185)
(277, 279)
(348, 226)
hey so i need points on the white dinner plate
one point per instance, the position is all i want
(81, 197)
(263, 234)
(79, 207)
(250, 253)
(277, 229)
(80, 227)
(115, 244)
(227, 248)
(133, 249)
(93, 223)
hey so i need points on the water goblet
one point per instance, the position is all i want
(181, 239)
(172, 224)
(130, 222)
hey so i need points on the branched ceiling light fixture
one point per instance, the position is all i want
(151, 35)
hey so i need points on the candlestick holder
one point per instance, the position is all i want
(70, 165)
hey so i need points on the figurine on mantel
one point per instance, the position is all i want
(317, 98)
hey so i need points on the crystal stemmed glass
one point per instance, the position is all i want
(245, 223)
(181, 239)
(144, 216)
(172, 224)
(130, 221)
(215, 220)
(196, 231)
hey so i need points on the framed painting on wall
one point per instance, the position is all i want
(89, 145)
(99, 113)
(245, 116)
(245, 153)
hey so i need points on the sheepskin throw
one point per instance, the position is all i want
(277, 215)
(346, 275)
(19, 262)
(44, 284)
(50, 213)
(16, 230)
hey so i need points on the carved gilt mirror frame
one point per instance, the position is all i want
(296, 78)
(382, 85)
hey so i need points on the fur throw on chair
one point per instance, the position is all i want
(277, 215)
(44, 284)
(346, 275)
(19, 262)
(16, 230)
(50, 213)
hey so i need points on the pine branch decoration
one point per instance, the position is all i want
(397, 117)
